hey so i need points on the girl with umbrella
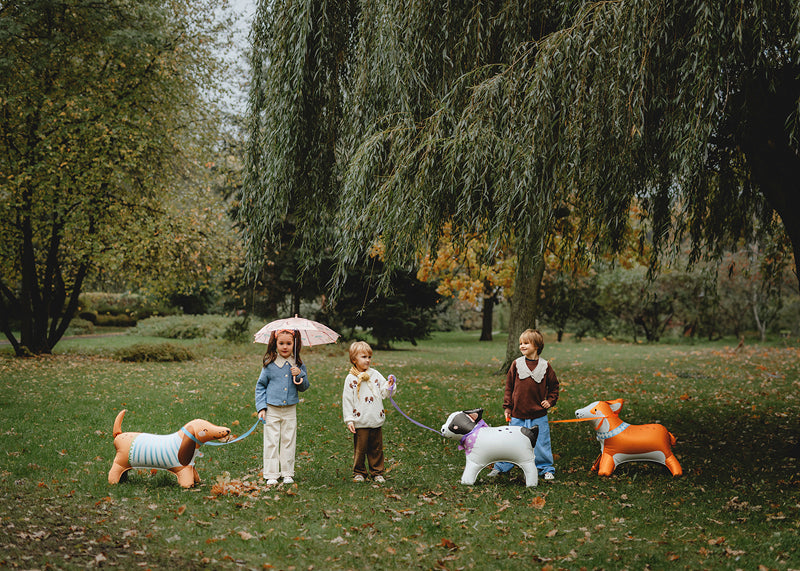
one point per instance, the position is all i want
(282, 378)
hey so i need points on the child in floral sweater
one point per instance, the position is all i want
(363, 412)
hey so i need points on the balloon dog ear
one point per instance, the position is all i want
(475, 414)
(188, 446)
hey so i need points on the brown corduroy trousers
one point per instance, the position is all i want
(368, 444)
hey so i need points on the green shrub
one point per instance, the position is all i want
(238, 331)
(90, 316)
(185, 327)
(150, 352)
(128, 307)
(121, 320)
(80, 327)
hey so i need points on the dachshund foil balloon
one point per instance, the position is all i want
(174, 452)
(621, 442)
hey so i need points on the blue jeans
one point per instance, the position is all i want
(542, 451)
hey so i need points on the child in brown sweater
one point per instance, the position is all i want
(531, 389)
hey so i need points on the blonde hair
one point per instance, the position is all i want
(359, 347)
(533, 336)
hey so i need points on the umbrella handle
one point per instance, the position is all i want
(294, 345)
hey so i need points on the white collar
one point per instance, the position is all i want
(538, 371)
(281, 361)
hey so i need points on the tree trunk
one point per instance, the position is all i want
(755, 290)
(783, 195)
(5, 324)
(771, 155)
(46, 308)
(760, 325)
(524, 307)
(296, 298)
(489, 300)
(34, 301)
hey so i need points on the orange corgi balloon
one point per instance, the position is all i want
(621, 442)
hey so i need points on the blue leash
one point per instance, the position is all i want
(237, 439)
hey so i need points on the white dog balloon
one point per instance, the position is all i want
(484, 444)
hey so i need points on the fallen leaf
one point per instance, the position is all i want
(538, 502)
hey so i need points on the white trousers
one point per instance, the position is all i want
(280, 439)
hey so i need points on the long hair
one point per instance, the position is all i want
(272, 346)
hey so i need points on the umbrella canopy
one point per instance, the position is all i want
(311, 332)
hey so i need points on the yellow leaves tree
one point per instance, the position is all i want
(465, 269)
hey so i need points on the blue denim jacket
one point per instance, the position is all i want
(275, 386)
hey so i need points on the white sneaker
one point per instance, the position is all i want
(288, 480)
(272, 482)
(358, 478)
(494, 473)
(549, 476)
(380, 479)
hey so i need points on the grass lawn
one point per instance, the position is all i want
(735, 415)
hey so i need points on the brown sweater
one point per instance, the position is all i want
(524, 396)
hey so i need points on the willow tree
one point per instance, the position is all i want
(686, 110)
(298, 60)
(99, 103)
(387, 68)
(526, 120)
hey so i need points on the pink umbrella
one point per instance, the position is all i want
(311, 332)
